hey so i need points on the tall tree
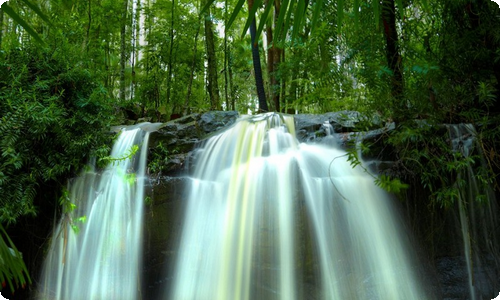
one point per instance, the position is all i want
(259, 82)
(123, 50)
(212, 82)
(393, 56)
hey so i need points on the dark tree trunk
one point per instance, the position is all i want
(123, 51)
(259, 82)
(231, 83)
(212, 84)
(272, 62)
(170, 53)
(193, 67)
(393, 57)
(1, 27)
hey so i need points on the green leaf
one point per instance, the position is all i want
(425, 4)
(356, 10)
(236, 10)
(376, 12)
(12, 268)
(206, 7)
(8, 10)
(401, 8)
(299, 15)
(37, 10)
(318, 5)
(263, 19)
(340, 13)
(281, 18)
(251, 17)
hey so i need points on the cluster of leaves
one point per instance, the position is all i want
(425, 154)
(12, 268)
(53, 114)
(157, 159)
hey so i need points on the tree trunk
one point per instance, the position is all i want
(89, 25)
(226, 58)
(193, 67)
(170, 54)
(1, 27)
(393, 58)
(270, 66)
(135, 46)
(212, 84)
(261, 93)
(123, 51)
(231, 82)
(273, 60)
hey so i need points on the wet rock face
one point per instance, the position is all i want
(171, 146)
(173, 143)
(162, 227)
(217, 120)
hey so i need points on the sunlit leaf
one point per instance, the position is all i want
(263, 18)
(251, 17)
(298, 16)
(235, 13)
(206, 7)
(37, 10)
(281, 18)
(318, 6)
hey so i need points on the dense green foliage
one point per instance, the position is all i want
(53, 114)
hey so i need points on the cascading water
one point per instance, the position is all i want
(478, 223)
(101, 259)
(269, 218)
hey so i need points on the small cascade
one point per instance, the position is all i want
(95, 251)
(270, 218)
(478, 222)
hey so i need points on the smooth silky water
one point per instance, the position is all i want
(270, 218)
(100, 257)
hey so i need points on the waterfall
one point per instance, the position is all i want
(270, 218)
(95, 250)
(477, 222)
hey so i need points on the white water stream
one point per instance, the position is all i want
(269, 218)
(102, 260)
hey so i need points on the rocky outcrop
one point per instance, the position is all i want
(171, 146)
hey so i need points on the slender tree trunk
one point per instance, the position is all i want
(393, 57)
(170, 54)
(107, 63)
(231, 83)
(193, 68)
(281, 54)
(226, 57)
(89, 25)
(270, 65)
(273, 59)
(135, 45)
(212, 84)
(259, 82)
(123, 51)
(1, 27)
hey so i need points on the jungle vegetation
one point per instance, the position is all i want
(71, 69)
